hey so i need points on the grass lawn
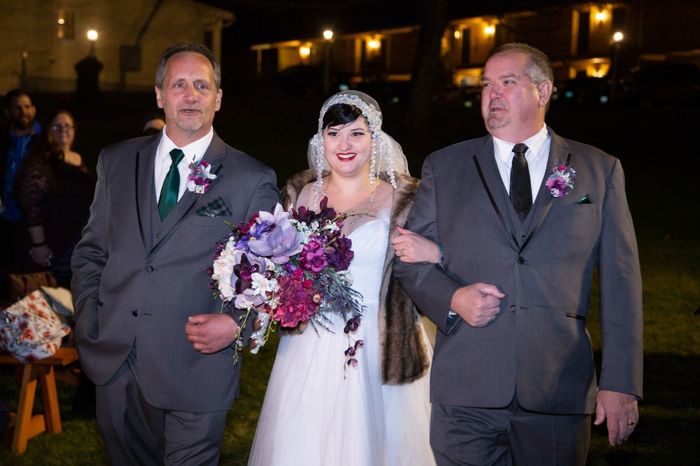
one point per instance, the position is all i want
(659, 150)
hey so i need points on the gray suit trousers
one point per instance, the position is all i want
(464, 436)
(138, 434)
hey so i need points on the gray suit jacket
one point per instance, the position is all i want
(537, 348)
(135, 280)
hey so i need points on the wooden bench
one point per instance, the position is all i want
(41, 371)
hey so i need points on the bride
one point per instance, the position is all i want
(374, 411)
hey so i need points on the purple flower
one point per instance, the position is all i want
(339, 253)
(313, 256)
(561, 181)
(278, 239)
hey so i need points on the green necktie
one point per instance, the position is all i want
(171, 185)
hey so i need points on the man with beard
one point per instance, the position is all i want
(16, 142)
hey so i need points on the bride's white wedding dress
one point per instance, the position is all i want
(319, 412)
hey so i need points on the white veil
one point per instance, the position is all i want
(387, 155)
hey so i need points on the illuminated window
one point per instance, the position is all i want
(65, 25)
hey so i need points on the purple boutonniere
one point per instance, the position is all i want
(200, 177)
(561, 181)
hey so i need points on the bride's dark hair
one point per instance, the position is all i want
(341, 114)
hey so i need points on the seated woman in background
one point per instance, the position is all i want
(54, 189)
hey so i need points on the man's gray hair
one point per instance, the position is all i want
(188, 47)
(538, 70)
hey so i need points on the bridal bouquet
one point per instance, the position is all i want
(287, 268)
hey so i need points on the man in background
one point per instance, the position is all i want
(16, 141)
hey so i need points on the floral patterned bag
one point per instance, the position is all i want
(30, 329)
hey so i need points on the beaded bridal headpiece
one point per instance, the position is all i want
(386, 153)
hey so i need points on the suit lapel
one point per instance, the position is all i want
(487, 169)
(145, 191)
(214, 155)
(558, 154)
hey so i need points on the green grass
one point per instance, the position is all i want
(657, 147)
(670, 412)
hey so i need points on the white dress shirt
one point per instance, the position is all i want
(536, 156)
(194, 152)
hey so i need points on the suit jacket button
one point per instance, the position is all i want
(149, 269)
(135, 313)
(521, 259)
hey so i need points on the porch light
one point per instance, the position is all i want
(374, 44)
(458, 34)
(328, 34)
(304, 51)
(489, 29)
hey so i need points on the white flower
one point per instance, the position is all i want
(331, 226)
(206, 173)
(223, 270)
(262, 285)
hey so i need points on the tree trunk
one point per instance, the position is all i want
(427, 67)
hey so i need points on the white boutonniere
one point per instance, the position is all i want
(200, 177)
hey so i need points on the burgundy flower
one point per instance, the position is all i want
(244, 271)
(308, 216)
(296, 302)
(352, 324)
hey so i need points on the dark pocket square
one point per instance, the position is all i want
(585, 199)
(216, 208)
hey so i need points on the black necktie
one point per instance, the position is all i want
(171, 185)
(520, 191)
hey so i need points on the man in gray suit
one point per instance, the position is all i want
(149, 333)
(513, 376)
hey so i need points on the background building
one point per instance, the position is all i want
(583, 39)
(43, 40)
